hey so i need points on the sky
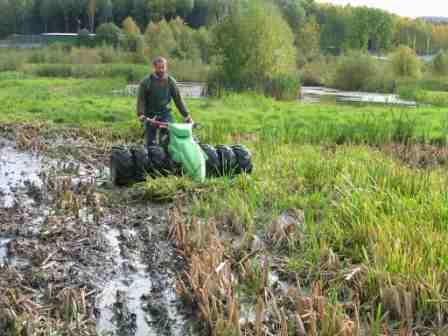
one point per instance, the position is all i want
(410, 8)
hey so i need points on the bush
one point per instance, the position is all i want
(216, 83)
(312, 75)
(132, 43)
(56, 53)
(84, 56)
(139, 54)
(132, 73)
(426, 83)
(420, 95)
(13, 61)
(405, 63)
(355, 71)
(188, 70)
(319, 72)
(159, 39)
(132, 39)
(253, 44)
(13, 75)
(87, 71)
(181, 70)
(203, 41)
(440, 64)
(108, 33)
(432, 98)
(130, 27)
(408, 91)
(53, 70)
(109, 54)
(137, 57)
(37, 56)
(186, 46)
(85, 40)
(285, 87)
(382, 81)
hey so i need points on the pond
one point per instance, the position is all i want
(187, 90)
(308, 94)
(315, 94)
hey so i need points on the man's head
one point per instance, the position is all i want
(160, 66)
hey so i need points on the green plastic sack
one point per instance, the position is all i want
(184, 150)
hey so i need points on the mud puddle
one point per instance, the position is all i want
(17, 170)
(73, 243)
(139, 297)
(4, 250)
(119, 304)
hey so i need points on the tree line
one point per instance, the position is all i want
(68, 16)
(317, 28)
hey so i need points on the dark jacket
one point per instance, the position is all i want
(155, 95)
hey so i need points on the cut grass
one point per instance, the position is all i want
(365, 213)
(361, 206)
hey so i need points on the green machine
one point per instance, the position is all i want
(186, 151)
(183, 155)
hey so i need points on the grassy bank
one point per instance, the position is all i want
(371, 237)
(91, 105)
(371, 234)
(430, 92)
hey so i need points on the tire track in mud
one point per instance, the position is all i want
(139, 296)
(63, 235)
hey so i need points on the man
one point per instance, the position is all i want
(154, 97)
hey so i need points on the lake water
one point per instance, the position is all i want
(187, 90)
(309, 94)
(315, 94)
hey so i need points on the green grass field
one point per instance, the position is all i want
(90, 104)
(363, 207)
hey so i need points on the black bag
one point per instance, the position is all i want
(122, 167)
(160, 162)
(228, 164)
(133, 164)
(141, 162)
(212, 165)
(244, 158)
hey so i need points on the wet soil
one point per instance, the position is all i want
(82, 257)
(70, 242)
(16, 168)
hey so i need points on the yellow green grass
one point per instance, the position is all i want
(90, 105)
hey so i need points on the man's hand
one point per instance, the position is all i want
(188, 120)
(142, 118)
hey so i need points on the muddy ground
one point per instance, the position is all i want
(78, 255)
(81, 257)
